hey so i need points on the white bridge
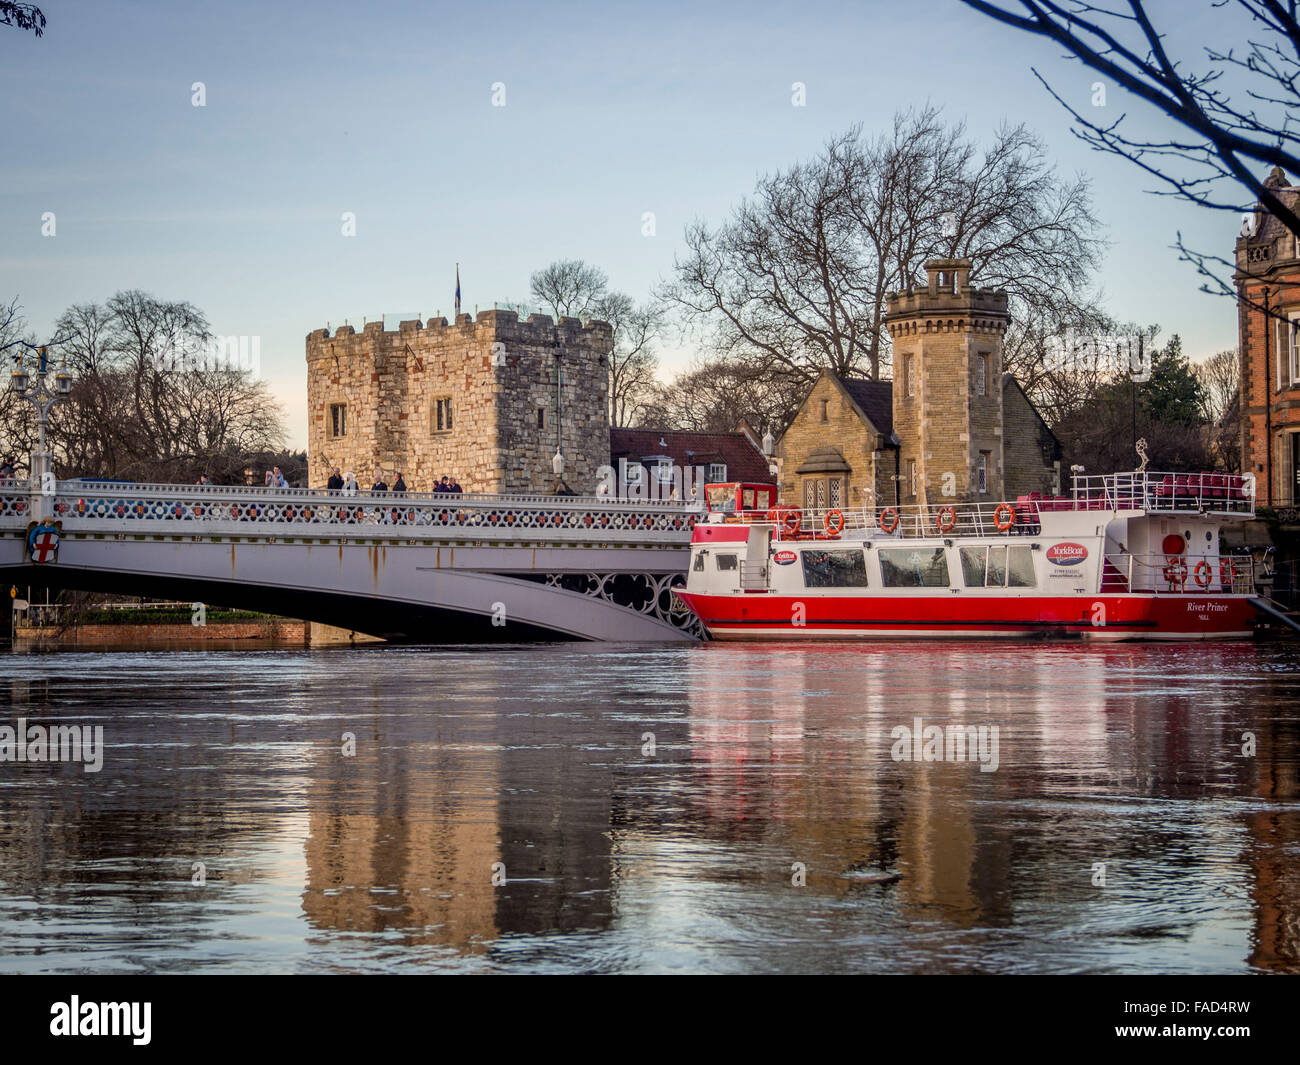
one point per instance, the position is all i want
(416, 568)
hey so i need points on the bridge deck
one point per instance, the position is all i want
(195, 510)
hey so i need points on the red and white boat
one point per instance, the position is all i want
(1129, 556)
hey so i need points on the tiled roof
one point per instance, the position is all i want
(744, 461)
(876, 398)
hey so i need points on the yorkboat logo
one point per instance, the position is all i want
(784, 558)
(1066, 554)
(102, 1018)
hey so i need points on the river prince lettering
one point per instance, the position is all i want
(58, 743)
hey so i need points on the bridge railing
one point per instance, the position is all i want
(303, 511)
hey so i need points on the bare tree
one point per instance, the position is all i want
(568, 287)
(632, 363)
(1237, 114)
(22, 17)
(1226, 137)
(795, 281)
(1220, 377)
(147, 403)
(713, 395)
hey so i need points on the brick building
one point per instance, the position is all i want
(1268, 310)
(951, 426)
(488, 401)
(734, 456)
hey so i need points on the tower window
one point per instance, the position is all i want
(983, 472)
(982, 375)
(541, 417)
(442, 415)
(825, 405)
(909, 383)
(338, 419)
(911, 476)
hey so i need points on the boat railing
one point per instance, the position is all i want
(1220, 493)
(752, 575)
(1123, 571)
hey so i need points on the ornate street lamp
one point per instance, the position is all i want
(35, 388)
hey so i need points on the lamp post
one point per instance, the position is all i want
(35, 388)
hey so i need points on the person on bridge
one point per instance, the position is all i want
(350, 486)
(399, 485)
(7, 469)
(335, 482)
(203, 481)
(276, 479)
(380, 485)
(455, 487)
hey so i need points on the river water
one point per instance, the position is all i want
(604, 808)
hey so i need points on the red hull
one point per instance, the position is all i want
(1104, 617)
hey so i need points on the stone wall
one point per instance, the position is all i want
(1032, 464)
(281, 631)
(498, 373)
(843, 431)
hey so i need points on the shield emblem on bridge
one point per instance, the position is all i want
(43, 541)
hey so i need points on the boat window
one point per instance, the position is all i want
(722, 497)
(996, 574)
(914, 568)
(834, 569)
(726, 561)
(973, 565)
(1020, 568)
(699, 561)
(998, 567)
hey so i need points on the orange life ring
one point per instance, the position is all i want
(834, 523)
(1202, 573)
(788, 518)
(946, 518)
(888, 520)
(1009, 511)
(1176, 574)
(1227, 572)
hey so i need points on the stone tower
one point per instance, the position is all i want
(947, 340)
(477, 399)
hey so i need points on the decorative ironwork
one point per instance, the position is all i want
(646, 593)
(304, 511)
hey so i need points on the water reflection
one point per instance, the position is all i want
(721, 807)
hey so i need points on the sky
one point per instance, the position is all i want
(385, 110)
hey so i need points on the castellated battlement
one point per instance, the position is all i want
(486, 399)
(947, 302)
(494, 319)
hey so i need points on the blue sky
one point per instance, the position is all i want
(384, 109)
